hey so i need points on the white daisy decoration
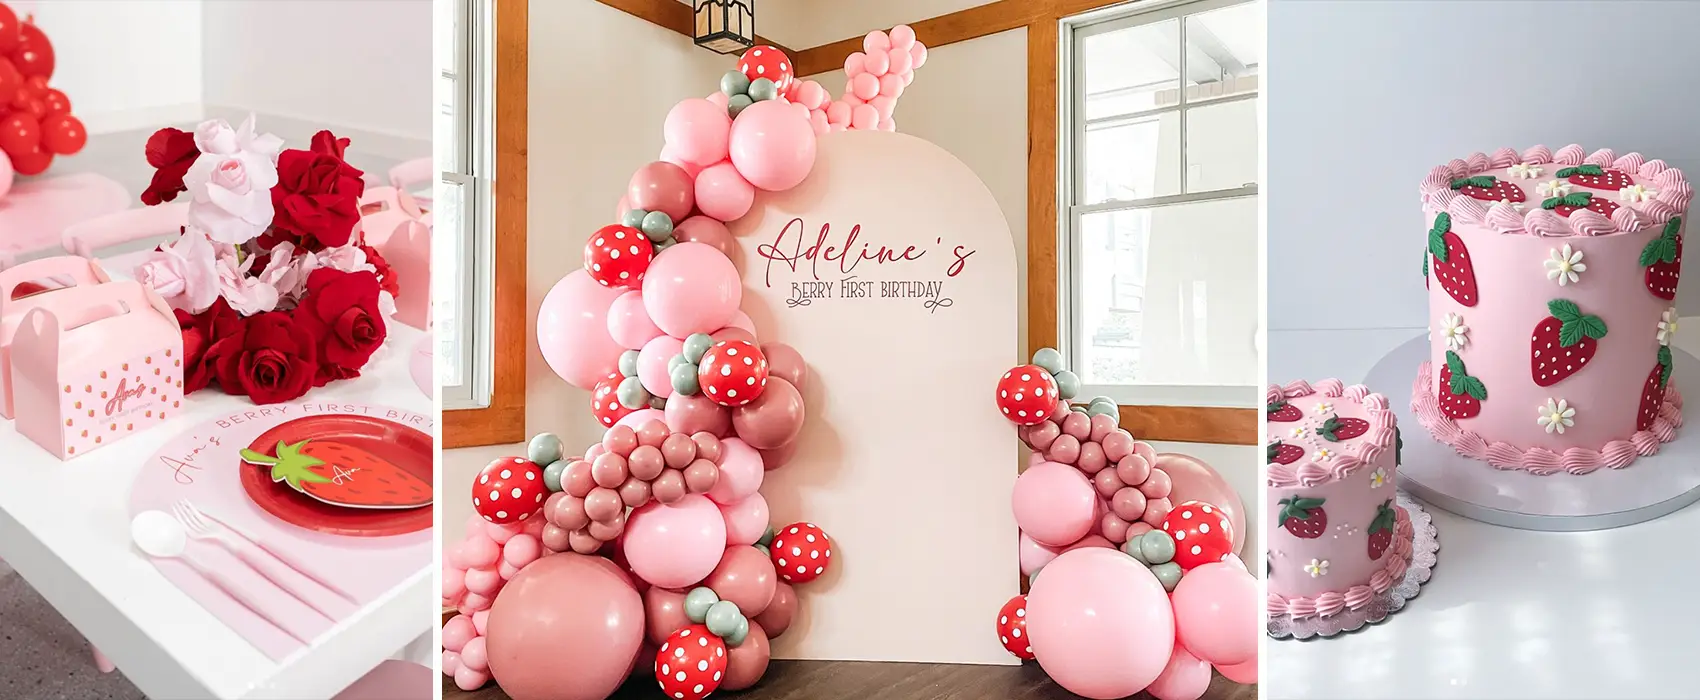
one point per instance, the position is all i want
(1637, 193)
(1298, 431)
(1565, 265)
(1378, 478)
(1554, 188)
(1324, 407)
(1317, 567)
(1515, 206)
(1667, 326)
(1323, 453)
(1457, 334)
(1525, 171)
(1556, 416)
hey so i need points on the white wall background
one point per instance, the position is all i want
(124, 63)
(1366, 97)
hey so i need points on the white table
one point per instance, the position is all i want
(1509, 613)
(64, 526)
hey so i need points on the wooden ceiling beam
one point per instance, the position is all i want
(674, 15)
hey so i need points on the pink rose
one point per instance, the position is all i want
(215, 136)
(247, 295)
(348, 258)
(184, 273)
(287, 272)
(227, 205)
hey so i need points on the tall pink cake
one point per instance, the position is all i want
(1552, 279)
(1336, 534)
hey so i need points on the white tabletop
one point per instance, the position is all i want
(1509, 613)
(64, 526)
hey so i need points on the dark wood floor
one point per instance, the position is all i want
(846, 680)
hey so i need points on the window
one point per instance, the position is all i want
(1157, 179)
(462, 234)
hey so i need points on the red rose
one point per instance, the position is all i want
(386, 275)
(328, 144)
(206, 336)
(317, 198)
(342, 309)
(274, 362)
(171, 152)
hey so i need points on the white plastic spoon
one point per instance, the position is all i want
(159, 535)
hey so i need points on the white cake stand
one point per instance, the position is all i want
(1649, 488)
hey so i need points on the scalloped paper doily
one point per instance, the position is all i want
(1425, 551)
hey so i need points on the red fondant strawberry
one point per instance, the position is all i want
(1597, 177)
(1381, 530)
(1653, 391)
(732, 373)
(1663, 259)
(1304, 517)
(1461, 395)
(1202, 534)
(1282, 412)
(1563, 342)
(342, 475)
(618, 256)
(1336, 428)
(1285, 453)
(691, 663)
(1012, 628)
(605, 406)
(1452, 261)
(1488, 188)
(1027, 394)
(508, 490)
(1577, 201)
(800, 552)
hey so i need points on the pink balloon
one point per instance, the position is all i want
(663, 187)
(772, 148)
(484, 582)
(785, 362)
(476, 655)
(884, 105)
(902, 37)
(900, 61)
(451, 663)
(1190, 479)
(817, 119)
(891, 86)
(1090, 542)
(888, 124)
(773, 419)
(1244, 673)
(698, 131)
(701, 229)
(669, 156)
(572, 330)
(479, 553)
(838, 113)
(1100, 623)
(454, 581)
(480, 622)
(740, 472)
(723, 193)
(691, 288)
(718, 99)
(864, 117)
(1033, 555)
(696, 413)
(652, 364)
(1184, 678)
(675, 546)
(876, 42)
(746, 520)
(811, 94)
(636, 419)
(624, 206)
(600, 627)
(628, 322)
(1216, 613)
(854, 64)
(918, 55)
(865, 86)
(470, 680)
(457, 632)
(1053, 504)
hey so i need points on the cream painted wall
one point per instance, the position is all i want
(801, 24)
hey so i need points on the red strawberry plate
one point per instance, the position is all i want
(342, 474)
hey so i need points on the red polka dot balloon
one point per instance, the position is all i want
(732, 373)
(801, 552)
(605, 404)
(691, 663)
(768, 62)
(508, 490)
(1027, 394)
(1201, 533)
(1012, 628)
(618, 256)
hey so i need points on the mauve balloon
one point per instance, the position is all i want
(747, 662)
(1064, 449)
(1077, 425)
(707, 231)
(1156, 509)
(576, 480)
(1133, 469)
(608, 531)
(708, 446)
(602, 504)
(652, 433)
(609, 471)
(1102, 425)
(532, 627)
(669, 488)
(555, 538)
(695, 413)
(701, 476)
(1107, 483)
(1157, 485)
(678, 450)
(781, 456)
(1128, 504)
(582, 542)
(773, 419)
(733, 333)
(746, 577)
(1117, 444)
(569, 513)
(780, 611)
(1091, 458)
(646, 462)
(785, 362)
(664, 610)
(1042, 435)
(635, 492)
(619, 440)
(664, 187)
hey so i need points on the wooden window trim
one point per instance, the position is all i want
(503, 421)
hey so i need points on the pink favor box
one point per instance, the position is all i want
(36, 284)
(96, 365)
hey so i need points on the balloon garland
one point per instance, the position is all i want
(1155, 615)
(659, 529)
(35, 119)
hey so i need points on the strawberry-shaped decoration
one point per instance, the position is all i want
(1201, 533)
(1336, 428)
(605, 404)
(1597, 177)
(1452, 261)
(1012, 628)
(1381, 530)
(801, 552)
(1663, 259)
(1488, 188)
(342, 475)
(691, 663)
(1577, 201)
(1285, 453)
(1027, 394)
(1461, 395)
(768, 62)
(508, 490)
(1282, 412)
(1653, 391)
(618, 256)
(1304, 517)
(1563, 342)
(732, 373)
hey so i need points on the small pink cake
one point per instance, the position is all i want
(1336, 534)
(1552, 279)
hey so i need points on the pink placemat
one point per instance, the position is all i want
(35, 212)
(423, 362)
(202, 465)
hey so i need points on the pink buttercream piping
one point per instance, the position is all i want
(1569, 155)
(1545, 223)
(1669, 177)
(1504, 218)
(1673, 194)
(1537, 155)
(1477, 162)
(1458, 167)
(1676, 194)
(1630, 162)
(1652, 168)
(1626, 219)
(1502, 158)
(1602, 157)
(1439, 180)
(1335, 602)
(1616, 454)
(1658, 212)
(1378, 439)
(1467, 210)
(1590, 223)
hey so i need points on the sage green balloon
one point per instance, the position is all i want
(1158, 546)
(737, 103)
(1068, 384)
(657, 225)
(685, 379)
(631, 393)
(734, 83)
(739, 633)
(663, 245)
(1169, 574)
(762, 89)
(1104, 409)
(723, 618)
(544, 448)
(763, 549)
(657, 403)
(1103, 400)
(766, 537)
(628, 363)
(633, 218)
(697, 603)
(552, 475)
(1048, 359)
(1135, 549)
(675, 361)
(1077, 408)
(695, 345)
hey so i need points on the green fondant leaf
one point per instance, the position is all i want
(1564, 310)
(1456, 384)
(1274, 406)
(1672, 227)
(1664, 366)
(1437, 237)
(1443, 222)
(1475, 388)
(1425, 265)
(1655, 251)
(1578, 199)
(1582, 170)
(1569, 333)
(1552, 203)
(1593, 327)
(1482, 181)
(1270, 452)
(1456, 364)
(1328, 428)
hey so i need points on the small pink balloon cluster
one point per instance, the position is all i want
(874, 78)
(1121, 470)
(626, 470)
(474, 571)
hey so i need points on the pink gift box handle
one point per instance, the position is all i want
(123, 227)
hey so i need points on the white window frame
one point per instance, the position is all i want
(1071, 170)
(474, 154)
